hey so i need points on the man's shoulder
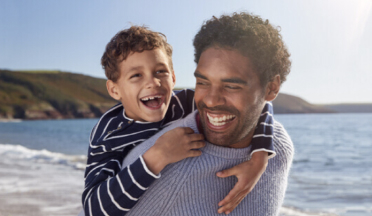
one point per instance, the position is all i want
(282, 141)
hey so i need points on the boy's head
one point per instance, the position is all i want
(138, 66)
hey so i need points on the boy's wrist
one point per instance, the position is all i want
(260, 156)
(154, 160)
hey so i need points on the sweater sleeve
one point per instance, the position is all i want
(110, 190)
(262, 139)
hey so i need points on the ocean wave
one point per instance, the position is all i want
(290, 211)
(19, 152)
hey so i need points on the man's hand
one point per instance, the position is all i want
(173, 146)
(248, 174)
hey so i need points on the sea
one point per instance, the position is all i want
(42, 165)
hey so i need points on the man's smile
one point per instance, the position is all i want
(218, 122)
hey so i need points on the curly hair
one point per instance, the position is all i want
(252, 37)
(125, 42)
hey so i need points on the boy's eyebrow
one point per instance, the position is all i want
(135, 68)
(235, 80)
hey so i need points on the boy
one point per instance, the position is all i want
(138, 65)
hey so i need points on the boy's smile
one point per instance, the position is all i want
(145, 85)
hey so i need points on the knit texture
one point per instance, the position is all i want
(191, 187)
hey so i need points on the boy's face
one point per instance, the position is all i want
(145, 85)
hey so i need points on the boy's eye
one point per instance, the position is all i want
(161, 71)
(135, 75)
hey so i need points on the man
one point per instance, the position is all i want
(242, 62)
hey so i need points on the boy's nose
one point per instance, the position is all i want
(153, 82)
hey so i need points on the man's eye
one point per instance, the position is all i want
(233, 87)
(135, 75)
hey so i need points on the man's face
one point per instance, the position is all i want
(229, 97)
(145, 85)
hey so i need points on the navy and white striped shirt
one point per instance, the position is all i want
(108, 187)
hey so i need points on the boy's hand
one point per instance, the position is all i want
(248, 174)
(174, 145)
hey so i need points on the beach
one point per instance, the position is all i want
(42, 168)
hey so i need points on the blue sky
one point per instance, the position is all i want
(330, 40)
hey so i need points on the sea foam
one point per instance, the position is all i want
(18, 152)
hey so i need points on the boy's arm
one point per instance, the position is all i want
(112, 191)
(249, 172)
(106, 182)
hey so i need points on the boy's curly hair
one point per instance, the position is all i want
(252, 37)
(133, 39)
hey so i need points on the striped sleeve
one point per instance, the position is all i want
(112, 191)
(262, 139)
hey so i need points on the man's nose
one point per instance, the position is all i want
(214, 97)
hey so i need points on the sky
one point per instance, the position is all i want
(330, 41)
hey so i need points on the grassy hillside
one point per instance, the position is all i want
(51, 94)
(350, 108)
(285, 103)
(55, 95)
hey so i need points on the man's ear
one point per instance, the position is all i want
(272, 88)
(113, 90)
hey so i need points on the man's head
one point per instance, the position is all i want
(138, 66)
(242, 62)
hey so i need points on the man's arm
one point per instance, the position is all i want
(249, 172)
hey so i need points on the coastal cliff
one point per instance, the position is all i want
(63, 95)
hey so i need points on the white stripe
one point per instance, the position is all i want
(273, 153)
(112, 198)
(262, 135)
(173, 110)
(179, 102)
(123, 190)
(94, 169)
(139, 122)
(147, 170)
(134, 181)
(90, 207)
(88, 165)
(127, 144)
(100, 203)
(103, 165)
(269, 103)
(125, 135)
(109, 170)
(95, 130)
(103, 146)
(268, 113)
(87, 196)
(266, 124)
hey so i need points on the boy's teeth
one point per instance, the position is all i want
(150, 98)
(218, 121)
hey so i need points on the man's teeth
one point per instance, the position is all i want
(219, 121)
(151, 98)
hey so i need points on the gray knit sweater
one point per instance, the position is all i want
(191, 187)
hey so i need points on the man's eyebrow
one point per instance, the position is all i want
(198, 75)
(235, 80)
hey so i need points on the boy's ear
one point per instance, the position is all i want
(174, 78)
(113, 90)
(272, 88)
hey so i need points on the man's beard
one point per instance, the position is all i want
(246, 123)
